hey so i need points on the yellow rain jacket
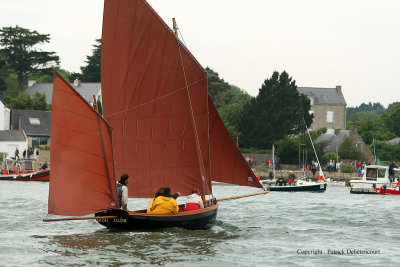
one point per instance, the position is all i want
(163, 205)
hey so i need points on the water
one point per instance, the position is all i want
(275, 229)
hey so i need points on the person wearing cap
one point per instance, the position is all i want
(291, 177)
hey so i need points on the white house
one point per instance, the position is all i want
(4, 117)
(10, 140)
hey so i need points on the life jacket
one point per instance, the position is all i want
(119, 192)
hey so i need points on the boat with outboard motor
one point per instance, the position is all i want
(374, 178)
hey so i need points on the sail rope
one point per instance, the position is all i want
(154, 100)
(312, 143)
(247, 203)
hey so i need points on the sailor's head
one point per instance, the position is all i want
(167, 191)
(124, 179)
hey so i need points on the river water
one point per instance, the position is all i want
(285, 229)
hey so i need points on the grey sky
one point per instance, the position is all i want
(320, 43)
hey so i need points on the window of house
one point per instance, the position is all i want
(311, 100)
(34, 121)
(36, 141)
(329, 116)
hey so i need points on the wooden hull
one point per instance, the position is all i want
(140, 220)
(43, 175)
(300, 188)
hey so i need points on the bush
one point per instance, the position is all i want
(347, 168)
(261, 168)
(3, 155)
(253, 150)
(44, 147)
(330, 156)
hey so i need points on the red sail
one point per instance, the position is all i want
(82, 173)
(155, 97)
(227, 163)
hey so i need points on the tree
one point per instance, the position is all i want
(278, 110)
(39, 102)
(230, 105)
(18, 44)
(3, 71)
(348, 151)
(392, 120)
(216, 85)
(24, 101)
(352, 113)
(92, 71)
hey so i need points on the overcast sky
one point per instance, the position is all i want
(320, 43)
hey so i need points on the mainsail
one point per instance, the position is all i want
(155, 97)
(82, 173)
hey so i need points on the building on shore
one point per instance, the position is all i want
(328, 107)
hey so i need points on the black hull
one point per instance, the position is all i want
(140, 220)
(299, 188)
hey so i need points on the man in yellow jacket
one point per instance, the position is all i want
(165, 203)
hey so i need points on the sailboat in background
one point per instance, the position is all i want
(304, 184)
(166, 130)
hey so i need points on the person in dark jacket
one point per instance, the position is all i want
(44, 166)
(391, 172)
(122, 191)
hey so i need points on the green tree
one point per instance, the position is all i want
(216, 85)
(18, 44)
(392, 106)
(26, 102)
(22, 101)
(352, 112)
(92, 71)
(392, 120)
(387, 152)
(278, 110)
(288, 150)
(39, 102)
(3, 71)
(230, 105)
(348, 150)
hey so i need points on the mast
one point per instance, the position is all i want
(175, 27)
(273, 159)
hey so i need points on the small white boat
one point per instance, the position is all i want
(335, 182)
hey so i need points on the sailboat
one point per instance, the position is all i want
(303, 184)
(159, 126)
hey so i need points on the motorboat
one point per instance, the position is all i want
(374, 177)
